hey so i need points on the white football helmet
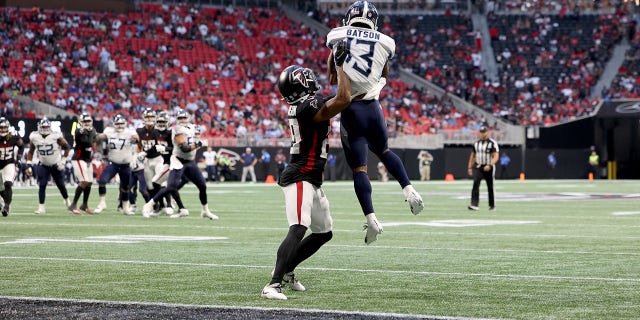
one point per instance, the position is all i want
(119, 122)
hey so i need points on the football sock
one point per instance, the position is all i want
(176, 197)
(287, 250)
(76, 197)
(41, 194)
(102, 189)
(308, 247)
(362, 186)
(85, 196)
(395, 168)
(8, 193)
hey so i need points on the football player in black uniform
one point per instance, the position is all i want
(306, 205)
(85, 143)
(8, 160)
(151, 148)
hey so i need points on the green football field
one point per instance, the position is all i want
(563, 249)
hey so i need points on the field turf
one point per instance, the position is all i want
(556, 249)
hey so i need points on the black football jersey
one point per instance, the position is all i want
(7, 144)
(83, 147)
(164, 138)
(309, 143)
(149, 138)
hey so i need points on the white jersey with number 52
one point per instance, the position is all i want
(369, 51)
(119, 145)
(47, 148)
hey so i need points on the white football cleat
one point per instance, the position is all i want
(67, 202)
(373, 228)
(101, 206)
(290, 280)
(147, 210)
(205, 213)
(414, 199)
(273, 291)
(168, 211)
(181, 213)
(41, 209)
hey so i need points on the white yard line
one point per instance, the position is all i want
(405, 272)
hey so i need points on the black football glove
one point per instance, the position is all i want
(340, 53)
(198, 144)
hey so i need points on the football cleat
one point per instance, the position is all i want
(292, 282)
(492, 208)
(5, 210)
(147, 210)
(181, 213)
(101, 207)
(41, 209)
(86, 210)
(273, 291)
(205, 213)
(73, 209)
(414, 199)
(373, 228)
(474, 208)
(67, 202)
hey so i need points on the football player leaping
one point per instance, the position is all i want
(8, 142)
(183, 162)
(118, 140)
(52, 150)
(362, 123)
(85, 143)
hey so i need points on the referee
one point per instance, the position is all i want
(482, 165)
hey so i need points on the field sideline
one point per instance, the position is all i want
(555, 249)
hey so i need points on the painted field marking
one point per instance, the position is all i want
(625, 213)
(407, 272)
(458, 223)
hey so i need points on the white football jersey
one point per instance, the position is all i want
(119, 145)
(190, 132)
(47, 148)
(369, 51)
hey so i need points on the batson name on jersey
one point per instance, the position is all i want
(369, 51)
(47, 148)
(309, 143)
(84, 141)
(119, 145)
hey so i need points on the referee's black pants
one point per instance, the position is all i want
(489, 177)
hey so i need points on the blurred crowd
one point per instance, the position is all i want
(221, 64)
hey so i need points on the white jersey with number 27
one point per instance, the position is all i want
(369, 51)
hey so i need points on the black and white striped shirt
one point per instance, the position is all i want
(483, 150)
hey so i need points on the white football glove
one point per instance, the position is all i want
(141, 156)
(61, 165)
(161, 148)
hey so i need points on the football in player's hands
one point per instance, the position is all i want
(340, 52)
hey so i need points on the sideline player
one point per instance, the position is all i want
(362, 123)
(85, 143)
(52, 149)
(117, 140)
(183, 163)
(306, 204)
(8, 161)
